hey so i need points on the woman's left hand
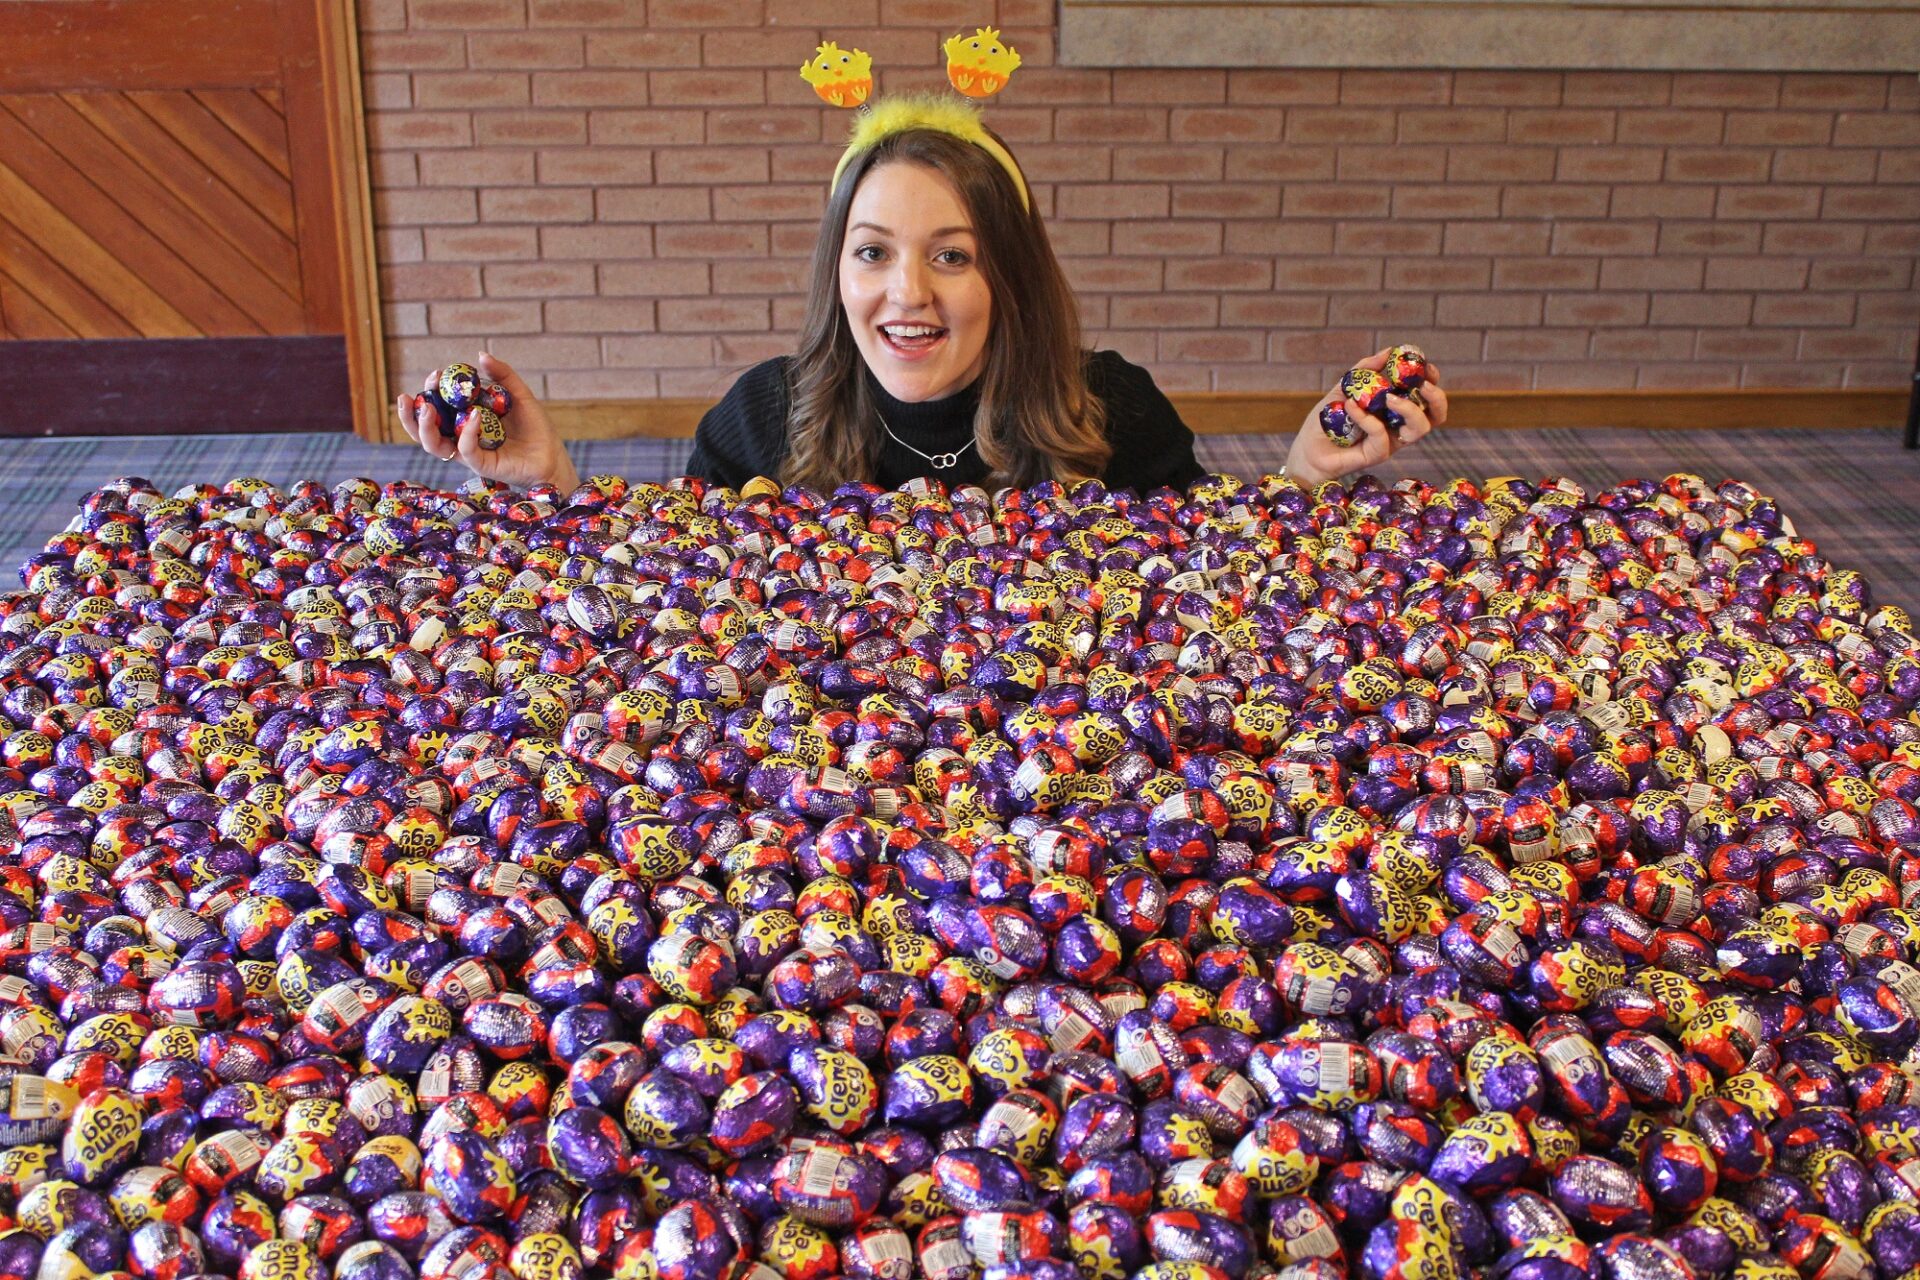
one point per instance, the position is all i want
(1315, 458)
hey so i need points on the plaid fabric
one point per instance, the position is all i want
(1851, 491)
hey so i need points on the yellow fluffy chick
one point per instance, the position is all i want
(979, 65)
(843, 77)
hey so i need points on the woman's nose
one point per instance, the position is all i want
(909, 284)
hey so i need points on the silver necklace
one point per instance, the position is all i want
(938, 461)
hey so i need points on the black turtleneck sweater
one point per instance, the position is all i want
(745, 435)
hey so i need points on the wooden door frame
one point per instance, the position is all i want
(309, 50)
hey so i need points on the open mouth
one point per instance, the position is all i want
(911, 341)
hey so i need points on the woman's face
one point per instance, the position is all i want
(911, 285)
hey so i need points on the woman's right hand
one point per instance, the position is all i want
(1315, 458)
(533, 454)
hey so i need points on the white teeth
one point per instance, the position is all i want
(911, 330)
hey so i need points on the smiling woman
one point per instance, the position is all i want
(940, 340)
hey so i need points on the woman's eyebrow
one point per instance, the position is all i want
(943, 231)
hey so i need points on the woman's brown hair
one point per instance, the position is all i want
(1036, 419)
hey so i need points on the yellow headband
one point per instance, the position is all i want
(979, 66)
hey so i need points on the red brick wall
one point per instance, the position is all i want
(620, 196)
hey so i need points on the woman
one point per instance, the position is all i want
(941, 340)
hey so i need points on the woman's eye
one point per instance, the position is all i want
(868, 253)
(953, 258)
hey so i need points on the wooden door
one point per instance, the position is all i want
(185, 232)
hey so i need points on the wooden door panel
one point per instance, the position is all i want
(183, 189)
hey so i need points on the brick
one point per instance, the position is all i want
(762, 127)
(382, 15)
(1889, 310)
(1779, 128)
(1733, 310)
(1726, 89)
(1662, 201)
(1652, 273)
(476, 167)
(538, 279)
(1900, 204)
(1495, 377)
(1586, 375)
(773, 276)
(1166, 311)
(1340, 125)
(655, 351)
(1399, 236)
(1071, 238)
(1641, 344)
(1546, 273)
(1278, 236)
(742, 350)
(713, 315)
(1389, 310)
(668, 49)
(1771, 201)
(393, 169)
(602, 384)
(1757, 273)
(1188, 86)
(654, 279)
(1566, 126)
(962, 17)
(532, 128)
(481, 244)
(1500, 163)
(1745, 344)
(597, 243)
(1887, 241)
(465, 14)
(395, 245)
(401, 130)
(1815, 238)
(1610, 164)
(1110, 124)
(1225, 275)
(411, 51)
(1137, 346)
(705, 14)
(1709, 237)
(1454, 124)
(715, 241)
(1670, 128)
(1835, 92)
(1717, 164)
(1876, 129)
(424, 207)
(494, 315)
(1896, 166)
(527, 50)
(1488, 309)
(1800, 310)
(590, 88)
(785, 48)
(1290, 163)
(1497, 237)
(645, 128)
(653, 204)
(1026, 12)
(387, 91)
(536, 204)
(1363, 163)
(404, 319)
(1878, 376)
(1448, 346)
(1327, 346)
(1692, 375)
(429, 281)
(1120, 275)
(1337, 200)
(1807, 164)
(1597, 310)
(1268, 376)
(1275, 311)
(1507, 88)
(1169, 238)
(1218, 344)
(1199, 164)
(1290, 88)
(708, 89)
(1439, 273)
(1047, 162)
(595, 166)
(1776, 375)
(771, 203)
(1617, 89)
(709, 165)
(1064, 86)
(1556, 200)
(1453, 200)
(586, 13)
(1366, 86)
(1226, 124)
(1861, 273)
(1113, 200)
(1537, 344)
(1335, 275)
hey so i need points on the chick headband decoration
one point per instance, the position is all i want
(979, 66)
